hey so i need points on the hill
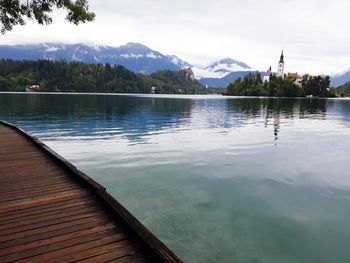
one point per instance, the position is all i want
(345, 89)
(341, 78)
(44, 75)
(133, 56)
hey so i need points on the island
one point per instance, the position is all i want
(282, 85)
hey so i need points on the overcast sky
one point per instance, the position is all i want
(315, 34)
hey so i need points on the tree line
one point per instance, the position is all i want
(60, 76)
(345, 89)
(252, 85)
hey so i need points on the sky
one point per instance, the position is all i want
(314, 34)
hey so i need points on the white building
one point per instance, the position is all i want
(280, 72)
(32, 88)
(267, 75)
(298, 80)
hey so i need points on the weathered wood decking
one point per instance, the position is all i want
(51, 212)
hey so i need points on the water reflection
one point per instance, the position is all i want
(204, 174)
(288, 108)
(99, 116)
(275, 112)
(137, 117)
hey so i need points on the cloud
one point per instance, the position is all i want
(313, 33)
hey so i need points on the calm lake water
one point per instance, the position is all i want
(216, 179)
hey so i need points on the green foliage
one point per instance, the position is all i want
(252, 85)
(14, 12)
(176, 82)
(81, 77)
(317, 86)
(344, 90)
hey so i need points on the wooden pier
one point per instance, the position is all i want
(52, 212)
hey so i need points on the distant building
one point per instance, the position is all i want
(293, 76)
(32, 88)
(267, 75)
(298, 80)
(189, 73)
(280, 72)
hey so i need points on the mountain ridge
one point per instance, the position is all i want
(341, 78)
(134, 56)
(138, 58)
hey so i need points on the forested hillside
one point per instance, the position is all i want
(345, 89)
(80, 77)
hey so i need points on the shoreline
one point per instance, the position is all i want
(180, 96)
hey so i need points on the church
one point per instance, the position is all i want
(280, 71)
(295, 77)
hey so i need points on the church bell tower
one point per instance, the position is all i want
(280, 72)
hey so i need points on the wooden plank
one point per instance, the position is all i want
(34, 189)
(42, 207)
(107, 253)
(93, 252)
(52, 212)
(32, 224)
(39, 183)
(38, 193)
(87, 223)
(12, 174)
(126, 254)
(134, 258)
(58, 209)
(59, 238)
(40, 230)
(46, 217)
(13, 205)
(48, 251)
(92, 242)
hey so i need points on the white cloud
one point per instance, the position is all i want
(313, 33)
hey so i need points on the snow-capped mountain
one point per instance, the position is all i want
(224, 81)
(222, 72)
(177, 61)
(139, 58)
(133, 56)
(221, 69)
(341, 78)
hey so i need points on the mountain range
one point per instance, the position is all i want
(133, 56)
(138, 58)
(341, 78)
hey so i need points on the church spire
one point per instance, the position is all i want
(280, 72)
(282, 57)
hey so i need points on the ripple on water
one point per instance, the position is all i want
(217, 179)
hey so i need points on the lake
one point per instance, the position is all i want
(217, 179)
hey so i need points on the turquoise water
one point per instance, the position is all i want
(217, 179)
